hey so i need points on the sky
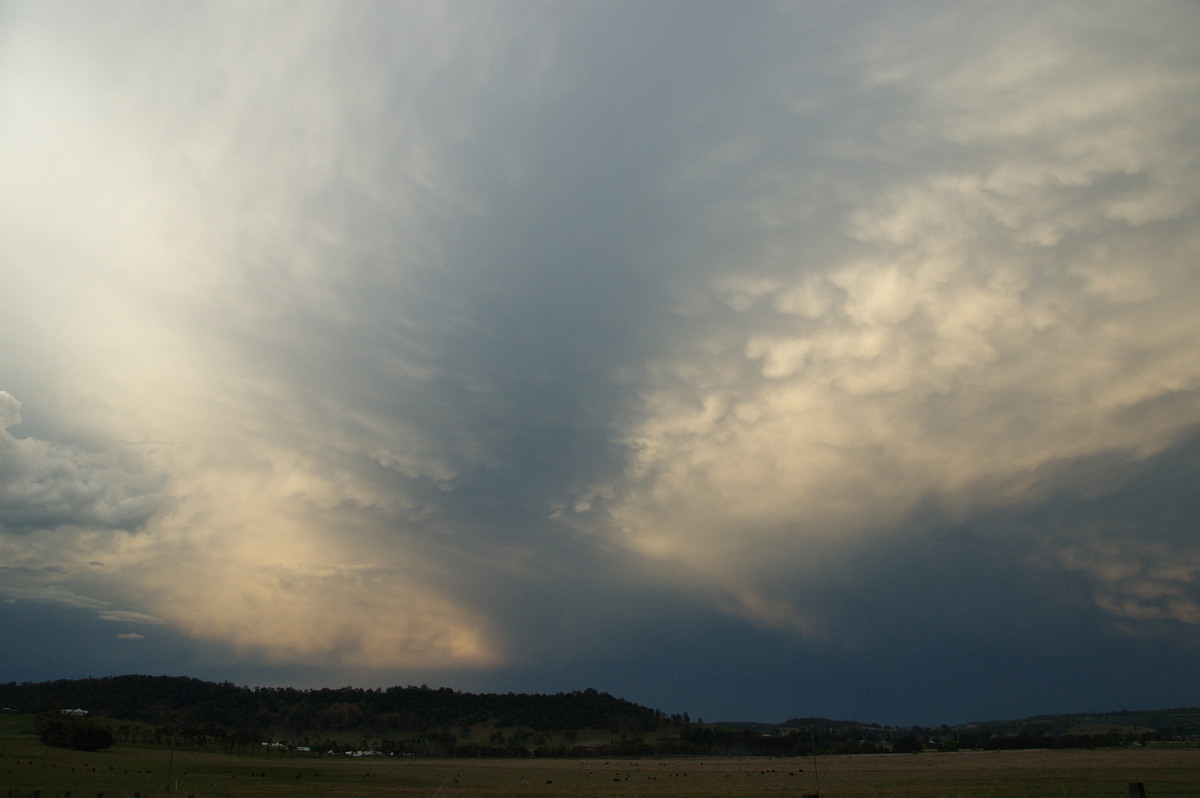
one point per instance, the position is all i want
(753, 360)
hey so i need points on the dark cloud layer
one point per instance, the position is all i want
(756, 360)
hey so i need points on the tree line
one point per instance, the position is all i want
(186, 702)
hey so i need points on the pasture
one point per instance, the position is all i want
(128, 770)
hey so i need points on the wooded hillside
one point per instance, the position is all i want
(580, 723)
(179, 700)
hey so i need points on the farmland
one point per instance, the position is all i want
(126, 770)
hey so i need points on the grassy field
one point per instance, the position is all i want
(127, 770)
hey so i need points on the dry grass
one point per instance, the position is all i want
(26, 765)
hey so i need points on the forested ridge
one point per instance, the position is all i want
(442, 721)
(185, 701)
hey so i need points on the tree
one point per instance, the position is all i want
(909, 744)
(69, 732)
(91, 737)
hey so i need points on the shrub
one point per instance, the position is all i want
(68, 732)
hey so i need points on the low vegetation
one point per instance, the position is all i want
(67, 731)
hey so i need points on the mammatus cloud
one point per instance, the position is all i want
(59, 506)
(988, 321)
(45, 486)
(437, 331)
(1140, 583)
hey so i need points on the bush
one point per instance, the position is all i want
(65, 731)
(91, 737)
(907, 745)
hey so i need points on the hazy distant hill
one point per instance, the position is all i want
(1076, 730)
(1178, 723)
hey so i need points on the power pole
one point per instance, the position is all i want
(812, 740)
(171, 758)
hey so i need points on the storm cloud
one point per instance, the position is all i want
(516, 344)
(44, 486)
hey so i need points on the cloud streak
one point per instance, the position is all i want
(480, 342)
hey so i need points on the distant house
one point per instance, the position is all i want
(75, 713)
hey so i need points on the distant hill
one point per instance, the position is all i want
(401, 720)
(434, 721)
(1129, 725)
(1076, 730)
(1181, 718)
(181, 700)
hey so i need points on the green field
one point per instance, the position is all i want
(126, 770)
